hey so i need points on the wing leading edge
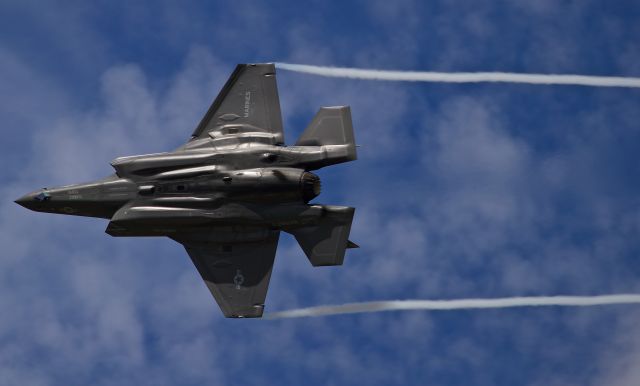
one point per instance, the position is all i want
(236, 274)
(248, 103)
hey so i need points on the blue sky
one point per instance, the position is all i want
(461, 191)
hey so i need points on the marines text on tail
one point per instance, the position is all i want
(228, 192)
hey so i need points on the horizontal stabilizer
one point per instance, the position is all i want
(325, 243)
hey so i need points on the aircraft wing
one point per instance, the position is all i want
(248, 103)
(237, 274)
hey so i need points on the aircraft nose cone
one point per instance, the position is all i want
(32, 200)
(25, 200)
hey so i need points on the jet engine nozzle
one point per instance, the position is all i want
(310, 185)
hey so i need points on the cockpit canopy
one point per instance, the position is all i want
(42, 196)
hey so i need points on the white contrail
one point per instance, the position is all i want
(460, 304)
(464, 77)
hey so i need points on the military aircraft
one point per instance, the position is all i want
(228, 191)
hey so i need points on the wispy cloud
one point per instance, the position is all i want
(474, 218)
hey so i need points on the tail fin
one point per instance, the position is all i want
(326, 242)
(331, 127)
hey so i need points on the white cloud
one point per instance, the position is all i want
(619, 363)
(476, 215)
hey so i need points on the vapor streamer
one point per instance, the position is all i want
(459, 304)
(464, 77)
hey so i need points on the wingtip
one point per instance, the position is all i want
(254, 311)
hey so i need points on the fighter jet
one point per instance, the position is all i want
(228, 192)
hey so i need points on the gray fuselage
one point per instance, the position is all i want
(255, 184)
(228, 192)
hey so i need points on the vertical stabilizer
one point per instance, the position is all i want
(332, 128)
